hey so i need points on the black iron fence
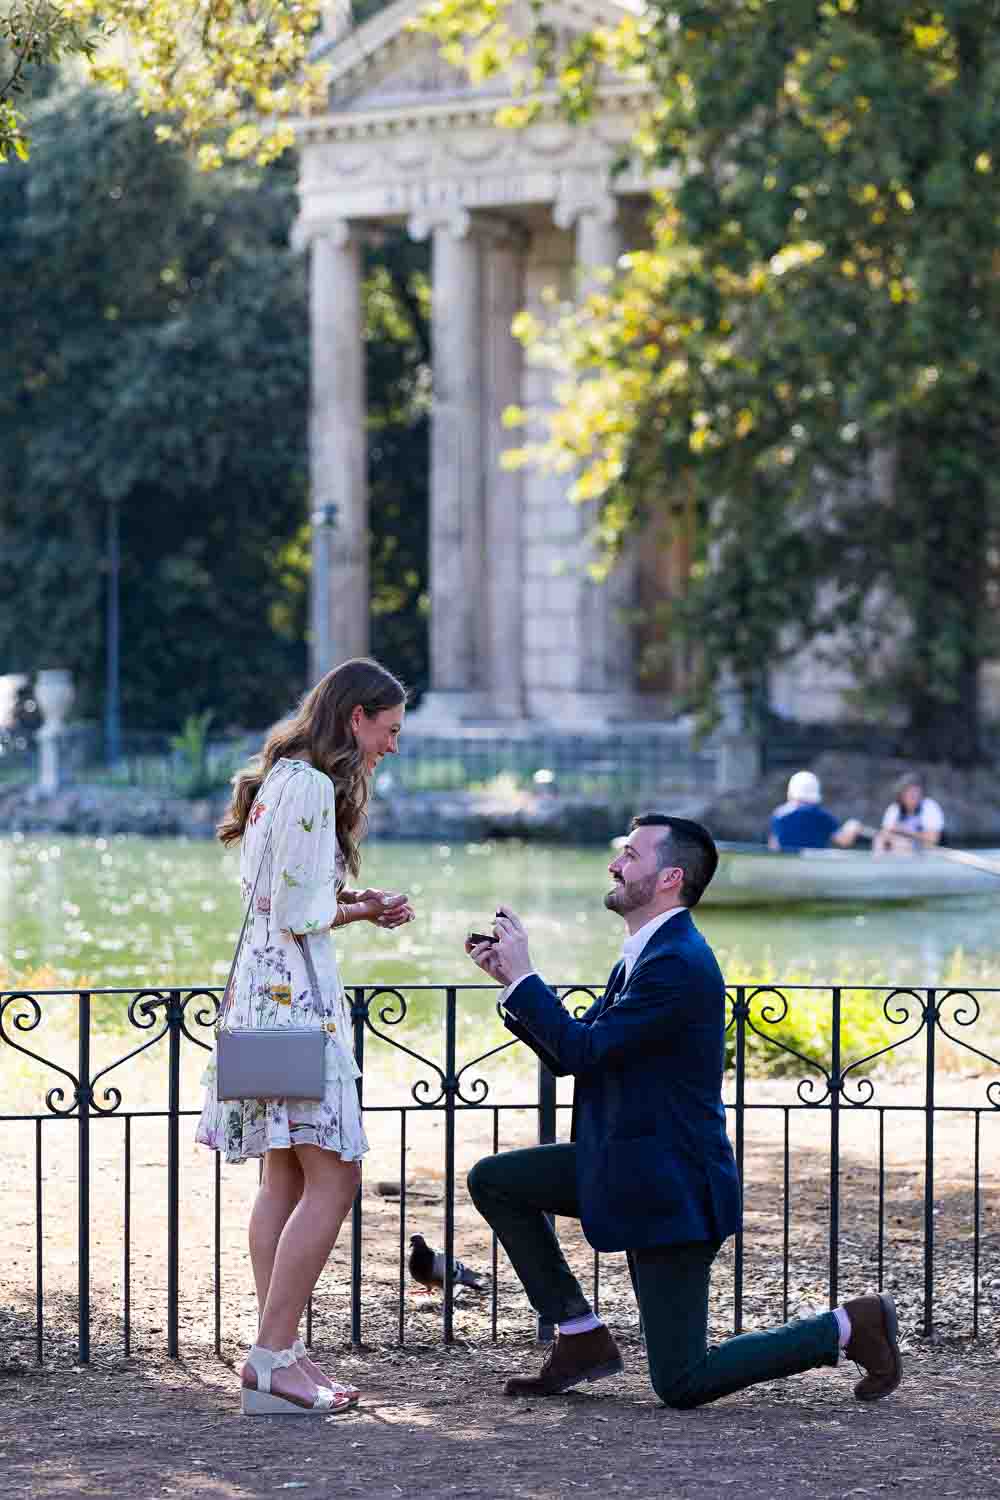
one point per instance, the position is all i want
(649, 758)
(804, 1079)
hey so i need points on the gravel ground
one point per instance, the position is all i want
(432, 1423)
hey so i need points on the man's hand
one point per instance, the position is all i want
(485, 957)
(508, 958)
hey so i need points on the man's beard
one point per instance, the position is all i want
(630, 895)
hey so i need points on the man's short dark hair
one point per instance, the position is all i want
(688, 845)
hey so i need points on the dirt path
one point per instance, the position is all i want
(432, 1424)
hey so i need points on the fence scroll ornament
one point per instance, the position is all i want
(821, 1081)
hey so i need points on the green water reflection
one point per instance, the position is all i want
(131, 912)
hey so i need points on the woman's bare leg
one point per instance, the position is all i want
(279, 1191)
(303, 1248)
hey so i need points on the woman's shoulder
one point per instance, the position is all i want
(309, 776)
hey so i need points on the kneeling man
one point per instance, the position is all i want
(649, 1169)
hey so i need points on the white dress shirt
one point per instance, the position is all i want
(631, 948)
(633, 945)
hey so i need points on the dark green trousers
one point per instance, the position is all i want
(516, 1189)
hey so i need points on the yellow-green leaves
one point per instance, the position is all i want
(32, 33)
(228, 75)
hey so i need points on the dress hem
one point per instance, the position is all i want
(233, 1159)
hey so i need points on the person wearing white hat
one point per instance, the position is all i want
(804, 823)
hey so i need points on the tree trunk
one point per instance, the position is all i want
(942, 511)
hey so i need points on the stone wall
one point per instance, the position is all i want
(424, 816)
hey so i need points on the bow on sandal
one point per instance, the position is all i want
(350, 1391)
(260, 1400)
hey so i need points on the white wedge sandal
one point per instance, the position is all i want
(350, 1391)
(260, 1401)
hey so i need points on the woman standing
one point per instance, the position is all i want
(300, 813)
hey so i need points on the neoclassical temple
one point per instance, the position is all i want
(519, 629)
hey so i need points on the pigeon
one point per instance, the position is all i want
(427, 1267)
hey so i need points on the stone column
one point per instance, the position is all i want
(338, 449)
(598, 237)
(607, 680)
(457, 519)
(504, 500)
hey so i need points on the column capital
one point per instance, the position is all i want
(306, 229)
(460, 223)
(601, 207)
(453, 217)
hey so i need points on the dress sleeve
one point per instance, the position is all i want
(891, 815)
(304, 850)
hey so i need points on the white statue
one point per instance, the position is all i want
(53, 694)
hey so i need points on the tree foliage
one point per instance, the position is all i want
(812, 337)
(158, 362)
(224, 75)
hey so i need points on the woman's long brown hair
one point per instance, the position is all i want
(321, 729)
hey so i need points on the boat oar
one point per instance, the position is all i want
(957, 856)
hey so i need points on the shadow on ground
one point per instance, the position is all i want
(433, 1423)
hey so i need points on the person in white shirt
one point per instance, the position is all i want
(911, 821)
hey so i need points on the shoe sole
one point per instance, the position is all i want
(254, 1403)
(891, 1323)
(596, 1372)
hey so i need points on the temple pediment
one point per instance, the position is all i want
(407, 136)
(386, 65)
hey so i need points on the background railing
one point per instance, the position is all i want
(809, 1092)
(587, 763)
(633, 760)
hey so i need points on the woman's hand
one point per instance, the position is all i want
(386, 909)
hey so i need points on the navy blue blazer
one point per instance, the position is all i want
(654, 1162)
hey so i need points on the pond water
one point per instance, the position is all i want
(130, 912)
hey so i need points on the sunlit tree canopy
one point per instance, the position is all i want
(810, 336)
(226, 76)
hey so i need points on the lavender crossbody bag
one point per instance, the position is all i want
(270, 1062)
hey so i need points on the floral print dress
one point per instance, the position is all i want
(294, 907)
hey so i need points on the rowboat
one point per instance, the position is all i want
(749, 875)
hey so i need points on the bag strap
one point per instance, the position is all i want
(226, 1003)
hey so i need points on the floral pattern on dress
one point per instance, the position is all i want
(295, 905)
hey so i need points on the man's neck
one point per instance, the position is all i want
(636, 920)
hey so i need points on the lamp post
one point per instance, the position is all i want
(324, 524)
(112, 692)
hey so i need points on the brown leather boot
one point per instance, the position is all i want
(874, 1345)
(572, 1358)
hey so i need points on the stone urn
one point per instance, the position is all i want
(10, 685)
(54, 695)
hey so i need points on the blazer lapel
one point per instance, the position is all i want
(614, 986)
